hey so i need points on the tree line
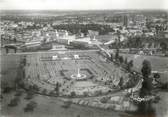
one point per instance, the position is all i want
(83, 28)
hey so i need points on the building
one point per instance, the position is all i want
(125, 20)
(140, 20)
(58, 47)
(66, 39)
(32, 43)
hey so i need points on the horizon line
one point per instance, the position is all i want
(138, 9)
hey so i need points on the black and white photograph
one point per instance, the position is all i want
(84, 58)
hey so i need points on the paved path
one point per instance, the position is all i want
(52, 51)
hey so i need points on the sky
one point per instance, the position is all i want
(82, 4)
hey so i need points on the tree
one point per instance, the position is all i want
(146, 69)
(163, 46)
(44, 91)
(57, 88)
(156, 75)
(118, 38)
(104, 100)
(147, 83)
(117, 54)
(85, 94)
(6, 88)
(125, 60)
(145, 107)
(73, 94)
(121, 59)
(138, 42)
(111, 57)
(121, 82)
(130, 65)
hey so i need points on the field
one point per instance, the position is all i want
(8, 69)
(159, 64)
(52, 107)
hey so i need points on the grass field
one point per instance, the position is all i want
(8, 69)
(52, 107)
(159, 64)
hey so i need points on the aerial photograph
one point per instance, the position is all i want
(84, 58)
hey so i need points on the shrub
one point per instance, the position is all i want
(35, 87)
(51, 93)
(73, 94)
(156, 100)
(21, 84)
(30, 87)
(104, 100)
(109, 91)
(85, 94)
(97, 93)
(30, 106)
(29, 95)
(44, 91)
(7, 89)
(18, 93)
(67, 104)
(14, 102)
(164, 86)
